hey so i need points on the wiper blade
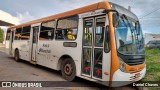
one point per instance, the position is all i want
(128, 22)
(122, 17)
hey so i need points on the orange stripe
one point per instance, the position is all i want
(114, 58)
(133, 69)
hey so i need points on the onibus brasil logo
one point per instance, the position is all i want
(21, 84)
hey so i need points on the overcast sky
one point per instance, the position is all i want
(27, 10)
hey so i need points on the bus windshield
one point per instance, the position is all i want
(129, 37)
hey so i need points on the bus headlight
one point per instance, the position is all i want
(122, 65)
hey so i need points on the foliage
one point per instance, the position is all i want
(153, 66)
(1, 35)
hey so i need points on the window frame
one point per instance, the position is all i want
(83, 33)
(18, 33)
(46, 30)
(25, 32)
(95, 23)
(67, 28)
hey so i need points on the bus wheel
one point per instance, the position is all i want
(68, 69)
(16, 56)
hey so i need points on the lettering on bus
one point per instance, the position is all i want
(45, 45)
(45, 50)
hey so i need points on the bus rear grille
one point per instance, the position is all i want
(132, 62)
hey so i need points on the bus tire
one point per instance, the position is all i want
(68, 69)
(16, 56)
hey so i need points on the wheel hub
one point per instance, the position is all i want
(68, 69)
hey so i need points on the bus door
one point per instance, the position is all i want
(11, 42)
(34, 39)
(95, 62)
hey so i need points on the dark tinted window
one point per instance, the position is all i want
(18, 34)
(67, 28)
(25, 33)
(47, 30)
(158, 41)
(8, 35)
(149, 42)
(153, 42)
(26, 29)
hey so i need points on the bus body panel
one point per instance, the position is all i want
(7, 44)
(120, 78)
(23, 47)
(57, 50)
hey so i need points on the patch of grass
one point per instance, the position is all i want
(153, 65)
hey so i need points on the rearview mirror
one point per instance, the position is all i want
(115, 17)
(106, 44)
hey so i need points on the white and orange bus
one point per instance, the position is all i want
(102, 42)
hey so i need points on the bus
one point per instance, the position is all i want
(102, 42)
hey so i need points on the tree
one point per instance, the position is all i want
(1, 35)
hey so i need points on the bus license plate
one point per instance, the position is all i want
(137, 75)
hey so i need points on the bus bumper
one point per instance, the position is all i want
(121, 78)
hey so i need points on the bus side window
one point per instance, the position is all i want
(67, 28)
(18, 33)
(26, 33)
(88, 30)
(99, 34)
(47, 30)
(59, 34)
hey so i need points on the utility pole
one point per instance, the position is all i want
(129, 8)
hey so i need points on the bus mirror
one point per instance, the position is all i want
(106, 44)
(115, 17)
(107, 33)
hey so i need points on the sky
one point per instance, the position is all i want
(27, 10)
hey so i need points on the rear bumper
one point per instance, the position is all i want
(120, 78)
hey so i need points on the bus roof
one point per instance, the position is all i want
(100, 5)
(121, 10)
